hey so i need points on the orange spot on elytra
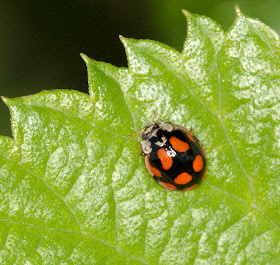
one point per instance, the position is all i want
(197, 163)
(191, 188)
(183, 178)
(167, 185)
(179, 145)
(165, 159)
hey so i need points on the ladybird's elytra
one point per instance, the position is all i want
(173, 156)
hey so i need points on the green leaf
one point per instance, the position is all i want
(74, 188)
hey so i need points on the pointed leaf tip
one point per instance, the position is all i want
(237, 10)
(123, 39)
(84, 57)
(5, 100)
(187, 14)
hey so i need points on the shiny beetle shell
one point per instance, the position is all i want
(173, 156)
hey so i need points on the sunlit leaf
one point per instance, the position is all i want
(73, 185)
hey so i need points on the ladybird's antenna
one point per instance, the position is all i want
(134, 134)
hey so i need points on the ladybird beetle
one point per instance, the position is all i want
(173, 156)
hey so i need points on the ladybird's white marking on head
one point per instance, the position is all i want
(162, 142)
(166, 127)
(154, 133)
(146, 146)
(159, 143)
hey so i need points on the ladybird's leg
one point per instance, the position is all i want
(136, 132)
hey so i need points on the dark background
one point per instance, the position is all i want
(41, 40)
